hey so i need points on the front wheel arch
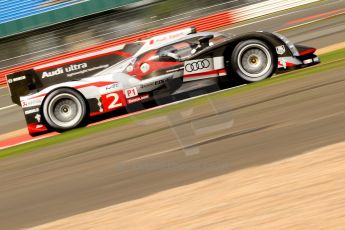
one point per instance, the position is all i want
(231, 48)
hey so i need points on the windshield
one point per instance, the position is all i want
(133, 48)
(185, 48)
(118, 67)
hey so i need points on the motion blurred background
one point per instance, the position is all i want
(32, 30)
(263, 171)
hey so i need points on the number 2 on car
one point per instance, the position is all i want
(113, 101)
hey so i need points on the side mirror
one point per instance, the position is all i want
(32, 86)
(205, 41)
(167, 56)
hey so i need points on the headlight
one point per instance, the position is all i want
(289, 44)
(145, 67)
(129, 68)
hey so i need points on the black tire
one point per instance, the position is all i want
(64, 109)
(253, 61)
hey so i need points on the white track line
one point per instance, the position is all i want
(270, 18)
(24, 142)
(255, 22)
(7, 107)
(311, 22)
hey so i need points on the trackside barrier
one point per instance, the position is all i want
(264, 8)
(202, 24)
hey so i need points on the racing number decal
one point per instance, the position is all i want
(113, 101)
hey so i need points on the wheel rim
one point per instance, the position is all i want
(254, 60)
(65, 110)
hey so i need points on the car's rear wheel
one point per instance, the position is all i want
(253, 60)
(64, 109)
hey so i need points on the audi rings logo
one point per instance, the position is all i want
(198, 65)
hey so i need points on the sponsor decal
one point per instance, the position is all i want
(137, 99)
(165, 38)
(38, 118)
(112, 86)
(62, 70)
(283, 62)
(72, 68)
(281, 49)
(175, 70)
(87, 70)
(31, 111)
(39, 126)
(53, 73)
(147, 85)
(155, 83)
(36, 128)
(33, 102)
(11, 80)
(197, 65)
(100, 105)
(160, 82)
(130, 93)
(19, 78)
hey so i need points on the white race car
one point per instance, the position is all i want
(61, 96)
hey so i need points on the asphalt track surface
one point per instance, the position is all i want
(319, 35)
(137, 160)
(183, 147)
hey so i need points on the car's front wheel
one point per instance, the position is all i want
(64, 109)
(253, 60)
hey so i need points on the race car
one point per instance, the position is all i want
(148, 68)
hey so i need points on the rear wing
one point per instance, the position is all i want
(25, 82)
